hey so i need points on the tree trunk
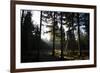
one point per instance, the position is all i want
(39, 37)
(53, 51)
(62, 56)
(79, 45)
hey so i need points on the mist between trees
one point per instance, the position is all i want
(54, 36)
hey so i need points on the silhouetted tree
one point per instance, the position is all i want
(84, 38)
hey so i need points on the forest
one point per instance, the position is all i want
(54, 36)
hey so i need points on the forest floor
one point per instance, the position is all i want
(45, 55)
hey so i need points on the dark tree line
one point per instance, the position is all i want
(30, 35)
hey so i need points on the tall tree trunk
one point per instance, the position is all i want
(62, 56)
(53, 51)
(79, 45)
(39, 37)
(72, 32)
